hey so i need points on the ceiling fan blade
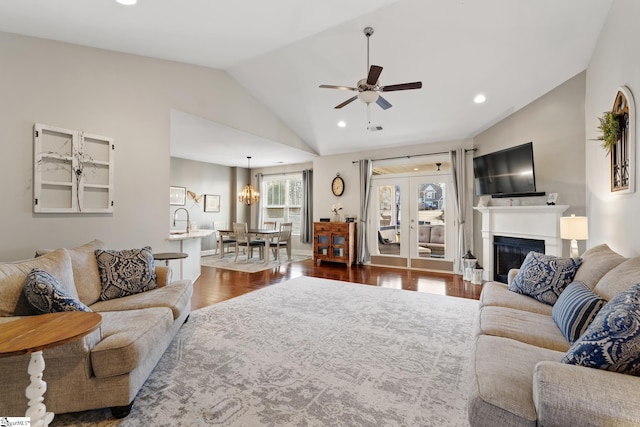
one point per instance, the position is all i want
(348, 101)
(374, 73)
(383, 103)
(401, 86)
(338, 87)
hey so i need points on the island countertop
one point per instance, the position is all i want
(193, 234)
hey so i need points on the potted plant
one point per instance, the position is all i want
(610, 128)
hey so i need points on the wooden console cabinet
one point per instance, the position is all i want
(334, 241)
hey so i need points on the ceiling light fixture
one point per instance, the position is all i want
(341, 124)
(479, 99)
(249, 195)
(127, 2)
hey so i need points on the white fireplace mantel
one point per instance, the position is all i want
(540, 222)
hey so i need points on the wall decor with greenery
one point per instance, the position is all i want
(618, 136)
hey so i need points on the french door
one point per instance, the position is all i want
(411, 221)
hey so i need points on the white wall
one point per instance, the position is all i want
(615, 62)
(126, 97)
(555, 124)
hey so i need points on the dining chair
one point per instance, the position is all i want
(228, 240)
(282, 240)
(242, 237)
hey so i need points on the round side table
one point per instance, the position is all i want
(32, 334)
(166, 256)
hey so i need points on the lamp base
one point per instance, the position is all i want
(574, 249)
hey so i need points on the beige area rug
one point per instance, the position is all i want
(311, 352)
(254, 264)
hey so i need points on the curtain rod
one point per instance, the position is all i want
(417, 155)
(282, 173)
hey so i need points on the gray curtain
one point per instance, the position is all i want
(458, 164)
(365, 190)
(260, 203)
(306, 225)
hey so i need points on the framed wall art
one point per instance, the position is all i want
(211, 203)
(177, 196)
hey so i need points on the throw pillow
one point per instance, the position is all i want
(544, 277)
(612, 341)
(125, 272)
(47, 295)
(575, 309)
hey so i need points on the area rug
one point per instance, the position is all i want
(254, 264)
(311, 352)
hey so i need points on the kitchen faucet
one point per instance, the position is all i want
(175, 215)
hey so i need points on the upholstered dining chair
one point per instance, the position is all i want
(228, 240)
(241, 234)
(282, 241)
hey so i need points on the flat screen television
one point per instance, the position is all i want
(506, 173)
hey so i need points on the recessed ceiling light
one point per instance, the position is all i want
(127, 2)
(342, 124)
(479, 99)
(415, 169)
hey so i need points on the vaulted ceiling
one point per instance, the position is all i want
(512, 51)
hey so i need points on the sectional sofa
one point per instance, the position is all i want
(525, 372)
(106, 368)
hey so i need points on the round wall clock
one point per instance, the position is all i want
(337, 185)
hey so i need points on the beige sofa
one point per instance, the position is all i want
(432, 237)
(517, 379)
(108, 367)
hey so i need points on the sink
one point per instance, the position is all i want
(177, 233)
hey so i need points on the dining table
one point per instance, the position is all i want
(265, 233)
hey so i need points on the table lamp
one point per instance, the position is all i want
(574, 228)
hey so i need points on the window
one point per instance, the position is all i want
(282, 201)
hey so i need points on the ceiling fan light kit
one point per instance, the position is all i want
(369, 89)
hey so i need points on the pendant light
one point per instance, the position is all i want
(249, 195)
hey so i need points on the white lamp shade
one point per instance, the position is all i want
(574, 227)
(368, 96)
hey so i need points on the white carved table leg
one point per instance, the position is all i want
(37, 410)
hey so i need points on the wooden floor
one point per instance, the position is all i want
(215, 285)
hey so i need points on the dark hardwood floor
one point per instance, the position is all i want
(215, 285)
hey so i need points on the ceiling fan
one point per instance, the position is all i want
(369, 89)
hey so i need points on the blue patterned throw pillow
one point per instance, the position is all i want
(47, 295)
(544, 277)
(575, 310)
(612, 341)
(125, 272)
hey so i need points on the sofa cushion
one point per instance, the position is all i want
(424, 234)
(125, 272)
(127, 337)
(530, 328)
(596, 262)
(502, 384)
(47, 295)
(13, 275)
(497, 294)
(575, 309)
(544, 277)
(612, 341)
(619, 279)
(176, 296)
(85, 271)
(437, 234)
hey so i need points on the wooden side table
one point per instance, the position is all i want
(33, 334)
(166, 256)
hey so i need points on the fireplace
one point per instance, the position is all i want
(538, 223)
(509, 252)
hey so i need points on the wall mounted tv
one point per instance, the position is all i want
(506, 173)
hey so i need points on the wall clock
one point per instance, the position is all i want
(337, 185)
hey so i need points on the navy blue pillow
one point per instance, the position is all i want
(47, 295)
(612, 341)
(575, 310)
(544, 277)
